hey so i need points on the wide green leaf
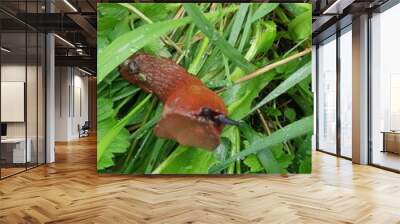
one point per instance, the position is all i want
(253, 163)
(297, 8)
(300, 27)
(106, 120)
(104, 151)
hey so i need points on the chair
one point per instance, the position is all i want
(84, 130)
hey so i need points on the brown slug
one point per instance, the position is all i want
(193, 115)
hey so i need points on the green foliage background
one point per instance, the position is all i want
(218, 43)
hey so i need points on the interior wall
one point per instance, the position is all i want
(62, 80)
(80, 111)
(71, 102)
(15, 72)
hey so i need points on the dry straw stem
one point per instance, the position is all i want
(264, 122)
(178, 15)
(268, 68)
(272, 66)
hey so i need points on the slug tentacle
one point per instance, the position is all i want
(133, 67)
(193, 115)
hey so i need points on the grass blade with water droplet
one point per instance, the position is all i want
(296, 129)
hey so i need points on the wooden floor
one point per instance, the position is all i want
(5, 172)
(8, 171)
(70, 191)
(387, 159)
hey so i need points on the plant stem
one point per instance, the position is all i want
(264, 122)
(272, 66)
(267, 68)
(285, 144)
(178, 15)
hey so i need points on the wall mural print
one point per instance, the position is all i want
(205, 88)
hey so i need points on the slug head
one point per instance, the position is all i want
(133, 67)
(217, 118)
(132, 71)
(191, 117)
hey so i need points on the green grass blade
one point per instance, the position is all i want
(186, 160)
(196, 64)
(205, 26)
(125, 93)
(264, 10)
(296, 129)
(246, 30)
(237, 25)
(126, 45)
(157, 148)
(139, 133)
(293, 80)
(130, 163)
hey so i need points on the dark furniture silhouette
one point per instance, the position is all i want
(84, 129)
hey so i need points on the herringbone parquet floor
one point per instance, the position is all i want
(70, 191)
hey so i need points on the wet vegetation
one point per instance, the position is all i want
(255, 56)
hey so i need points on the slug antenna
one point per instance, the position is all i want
(222, 119)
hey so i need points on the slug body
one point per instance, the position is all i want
(193, 115)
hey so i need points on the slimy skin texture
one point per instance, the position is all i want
(184, 97)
